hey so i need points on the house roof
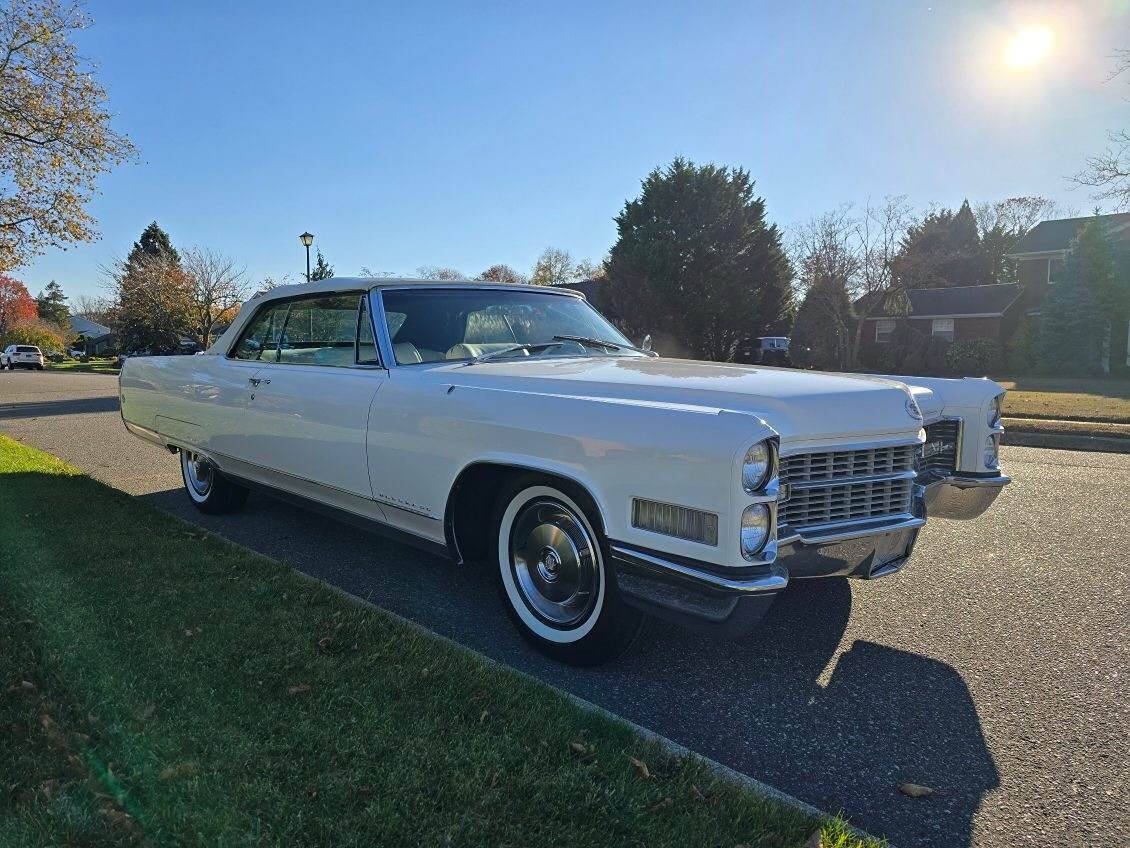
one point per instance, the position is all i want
(962, 301)
(1058, 235)
(88, 328)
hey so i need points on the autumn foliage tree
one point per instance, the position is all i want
(17, 306)
(56, 136)
(152, 295)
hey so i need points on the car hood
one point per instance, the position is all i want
(800, 405)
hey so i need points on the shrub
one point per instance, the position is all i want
(1022, 348)
(974, 358)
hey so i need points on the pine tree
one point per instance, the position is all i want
(696, 264)
(321, 270)
(154, 242)
(52, 305)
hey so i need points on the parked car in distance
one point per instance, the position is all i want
(764, 350)
(75, 353)
(514, 425)
(21, 356)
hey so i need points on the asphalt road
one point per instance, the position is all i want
(994, 668)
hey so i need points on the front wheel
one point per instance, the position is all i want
(208, 489)
(551, 559)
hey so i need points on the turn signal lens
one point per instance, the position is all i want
(995, 411)
(755, 467)
(991, 459)
(755, 529)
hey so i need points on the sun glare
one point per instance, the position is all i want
(1028, 47)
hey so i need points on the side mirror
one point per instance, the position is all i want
(646, 343)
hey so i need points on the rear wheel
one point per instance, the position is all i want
(208, 489)
(551, 557)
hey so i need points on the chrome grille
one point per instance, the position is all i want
(837, 487)
(938, 457)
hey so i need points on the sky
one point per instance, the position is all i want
(463, 135)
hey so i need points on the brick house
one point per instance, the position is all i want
(955, 313)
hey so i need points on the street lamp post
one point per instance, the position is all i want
(307, 239)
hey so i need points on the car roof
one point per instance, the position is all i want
(336, 284)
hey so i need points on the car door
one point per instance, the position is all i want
(308, 404)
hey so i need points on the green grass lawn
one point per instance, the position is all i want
(1089, 399)
(161, 686)
(96, 366)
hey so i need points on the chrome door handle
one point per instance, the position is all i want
(255, 381)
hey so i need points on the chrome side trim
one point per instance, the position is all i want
(775, 580)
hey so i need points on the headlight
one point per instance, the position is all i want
(995, 411)
(755, 467)
(991, 452)
(755, 529)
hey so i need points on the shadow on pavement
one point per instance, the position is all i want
(70, 406)
(839, 728)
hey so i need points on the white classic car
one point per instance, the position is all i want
(514, 425)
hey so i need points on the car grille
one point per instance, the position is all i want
(843, 487)
(938, 457)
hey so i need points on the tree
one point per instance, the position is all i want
(153, 243)
(218, 290)
(1109, 171)
(1080, 305)
(152, 303)
(501, 274)
(44, 336)
(553, 268)
(943, 249)
(827, 254)
(1003, 223)
(878, 290)
(51, 304)
(56, 136)
(435, 272)
(16, 305)
(696, 262)
(321, 270)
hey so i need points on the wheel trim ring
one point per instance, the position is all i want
(553, 563)
(197, 473)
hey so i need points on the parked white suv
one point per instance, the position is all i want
(24, 356)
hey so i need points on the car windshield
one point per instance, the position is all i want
(436, 324)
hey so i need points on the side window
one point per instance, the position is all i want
(321, 331)
(943, 328)
(883, 329)
(260, 340)
(366, 344)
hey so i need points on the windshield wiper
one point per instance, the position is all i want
(495, 354)
(584, 340)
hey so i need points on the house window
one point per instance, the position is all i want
(883, 329)
(942, 327)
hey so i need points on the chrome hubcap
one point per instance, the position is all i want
(198, 473)
(553, 561)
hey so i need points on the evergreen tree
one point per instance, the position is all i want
(944, 249)
(697, 264)
(52, 305)
(154, 243)
(321, 270)
(1075, 316)
(822, 331)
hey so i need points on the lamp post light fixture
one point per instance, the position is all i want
(307, 239)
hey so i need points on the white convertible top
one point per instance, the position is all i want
(340, 284)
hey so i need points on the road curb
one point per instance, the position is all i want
(1065, 441)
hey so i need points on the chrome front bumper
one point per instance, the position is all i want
(962, 497)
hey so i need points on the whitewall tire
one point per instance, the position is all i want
(208, 489)
(553, 572)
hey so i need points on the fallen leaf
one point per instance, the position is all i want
(659, 805)
(46, 722)
(483, 717)
(300, 689)
(324, 643)
(118, 817)
(915, 790)
(814, 841)
(696, 793)
(179, 770)
(579, 748)
(641, 767)
(49, 787)
(188, 633)
(23, 686)
(311, 794)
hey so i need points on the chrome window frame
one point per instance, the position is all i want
(362, 295)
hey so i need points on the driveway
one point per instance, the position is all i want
(993, 668)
